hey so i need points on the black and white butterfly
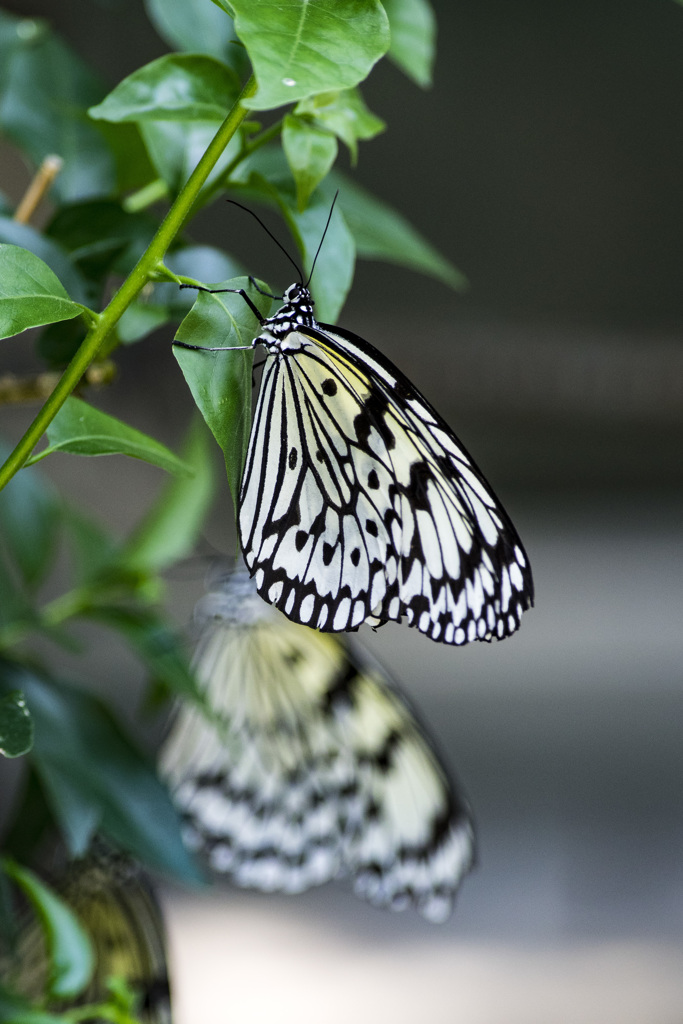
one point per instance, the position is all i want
(116, 905)
(359, 504)
(310, 765)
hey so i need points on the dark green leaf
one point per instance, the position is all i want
(301, 49)
(310, 154)
(413, 38)
(177, 87)
(95, 778)
(345, 114)
(175, 149)
(30, 293)
(193, 26)
(94, 550)
(16, 725)
(81, 429)
(166, 302)
(50, 252)
(29, 516)
(334, 268)
(381, 233)
(14, 1010)
(31, 819)
(170, 529)
(70, 953)
(221, 381)
(45, 90)
(101, 237)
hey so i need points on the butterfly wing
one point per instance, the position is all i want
(116, 905)
(358, 503)
(312, 767)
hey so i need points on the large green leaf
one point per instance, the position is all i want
(195, 26)
(413, 37)
(221, 381)
(333, 274)
(101, 237)
(172, 526)
(70, 953)
(299, 49)
(30, 293)
(50, 251)
(16, 725)
(175, 148)
(45, 90)
(94, 778)
(80, 429)
(310, 153)
(177, 87)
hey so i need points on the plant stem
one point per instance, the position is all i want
(141, 273)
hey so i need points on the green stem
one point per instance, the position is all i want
(141, 273)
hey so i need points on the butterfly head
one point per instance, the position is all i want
(299, 303)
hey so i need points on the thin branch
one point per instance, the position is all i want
(136, 280)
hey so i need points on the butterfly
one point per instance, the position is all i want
(114, 902)
(310, 765)
(358, 503)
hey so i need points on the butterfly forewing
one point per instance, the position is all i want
(359, 504)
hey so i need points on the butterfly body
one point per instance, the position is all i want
(358, 503)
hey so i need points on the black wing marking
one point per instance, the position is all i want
(359, 504)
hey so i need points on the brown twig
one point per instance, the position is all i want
(42, 179)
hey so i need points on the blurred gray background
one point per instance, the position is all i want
(546, 163)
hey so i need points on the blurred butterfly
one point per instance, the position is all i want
(313, 766)
(358, 503)
(115, 904)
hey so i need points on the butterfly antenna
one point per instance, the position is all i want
(329, 218)
(271, 235)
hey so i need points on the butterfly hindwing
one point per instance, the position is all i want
(313, 767)
(359, 504)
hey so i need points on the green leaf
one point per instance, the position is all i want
(177, 87)
(49, 252)
(310, 154)
(170, 530)
(30, 293)
(16, 725)
(81, 429)
(175, 149)
(345, 114)
(266, 176)
(101, 237)
(299, 49)
(29, 517)
(220, 382)
(413, 38)
(333, 274)
(45, 90)
(70, 952)
(93, 549)
(94, 777)
(382, 233)
(193, 26)
(15, 1010)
